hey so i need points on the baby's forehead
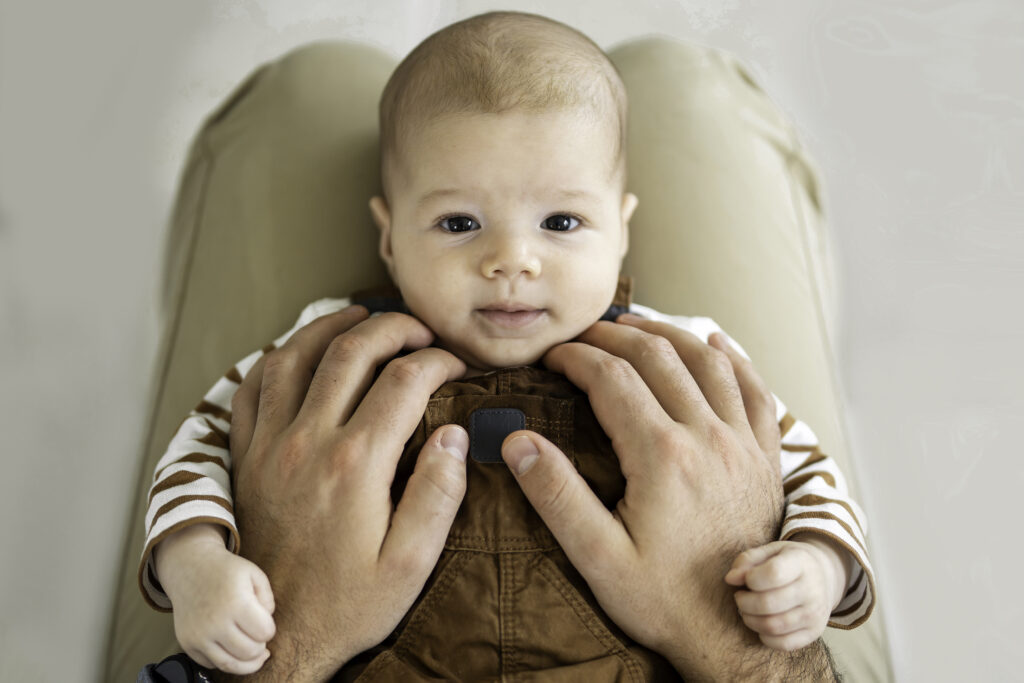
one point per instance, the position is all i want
(521, 147)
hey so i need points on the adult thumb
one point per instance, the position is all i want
(432, 496)
(562, 498)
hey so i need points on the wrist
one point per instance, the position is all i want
(836, 561)
(175, 552)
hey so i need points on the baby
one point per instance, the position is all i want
(504, 223)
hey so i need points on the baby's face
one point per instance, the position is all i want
(506, 232)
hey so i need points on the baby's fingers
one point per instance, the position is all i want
(749, 559)
(256, 624)
(252, 617)
(225, 661)
(241, 646)
(791, 641)
(776, 625)
(778, 571)
(774, 601)
(261, 586)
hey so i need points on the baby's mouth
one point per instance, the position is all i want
(511, 315)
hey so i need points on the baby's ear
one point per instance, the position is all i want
(629, 204)
(382, 217)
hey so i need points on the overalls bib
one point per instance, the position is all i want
(504, 603)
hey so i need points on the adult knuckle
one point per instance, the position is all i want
(346, 455)
(615, 367)
(347, 346)
(668, 442)
(446, 481)
(667, 447)
(405, 371)
(719, 437)
(716, 361)
(407, 566)
(656, 347)
(293, 447)
(556, 497)
(280, 361)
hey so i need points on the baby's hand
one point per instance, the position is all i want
(222, 606)
(793, 588)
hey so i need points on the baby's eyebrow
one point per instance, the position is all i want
(451, 191)
(436, 194)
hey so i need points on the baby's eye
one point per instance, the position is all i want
(560, 222)
(458, 224)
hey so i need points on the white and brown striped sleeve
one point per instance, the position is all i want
(818, 501)
(192, 482)
(816, 494)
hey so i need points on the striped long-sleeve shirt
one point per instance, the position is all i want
(192, 484)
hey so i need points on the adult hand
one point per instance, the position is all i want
(312, 493)
(695, 431)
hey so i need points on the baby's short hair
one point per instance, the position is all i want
(498, 62)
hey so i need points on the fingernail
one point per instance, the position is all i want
(455, 440)
(521, 453)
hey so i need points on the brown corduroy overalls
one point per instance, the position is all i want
(503, 602)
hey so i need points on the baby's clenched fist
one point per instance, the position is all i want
(222, 603)
(791, 589)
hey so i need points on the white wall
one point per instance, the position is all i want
(913, 110)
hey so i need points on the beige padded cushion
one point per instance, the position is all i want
(272, 214)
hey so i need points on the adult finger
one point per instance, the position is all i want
(395, 403)
(593, 539)
(288, 370)
(709, 366)
(619, 397)
(347, 367)
(758, 401)
(432, 496)
(658, 364)
(244, 406)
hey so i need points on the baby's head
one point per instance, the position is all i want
(504, 219)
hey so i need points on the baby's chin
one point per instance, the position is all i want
(484, 360)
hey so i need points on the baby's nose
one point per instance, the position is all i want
(510, 256)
